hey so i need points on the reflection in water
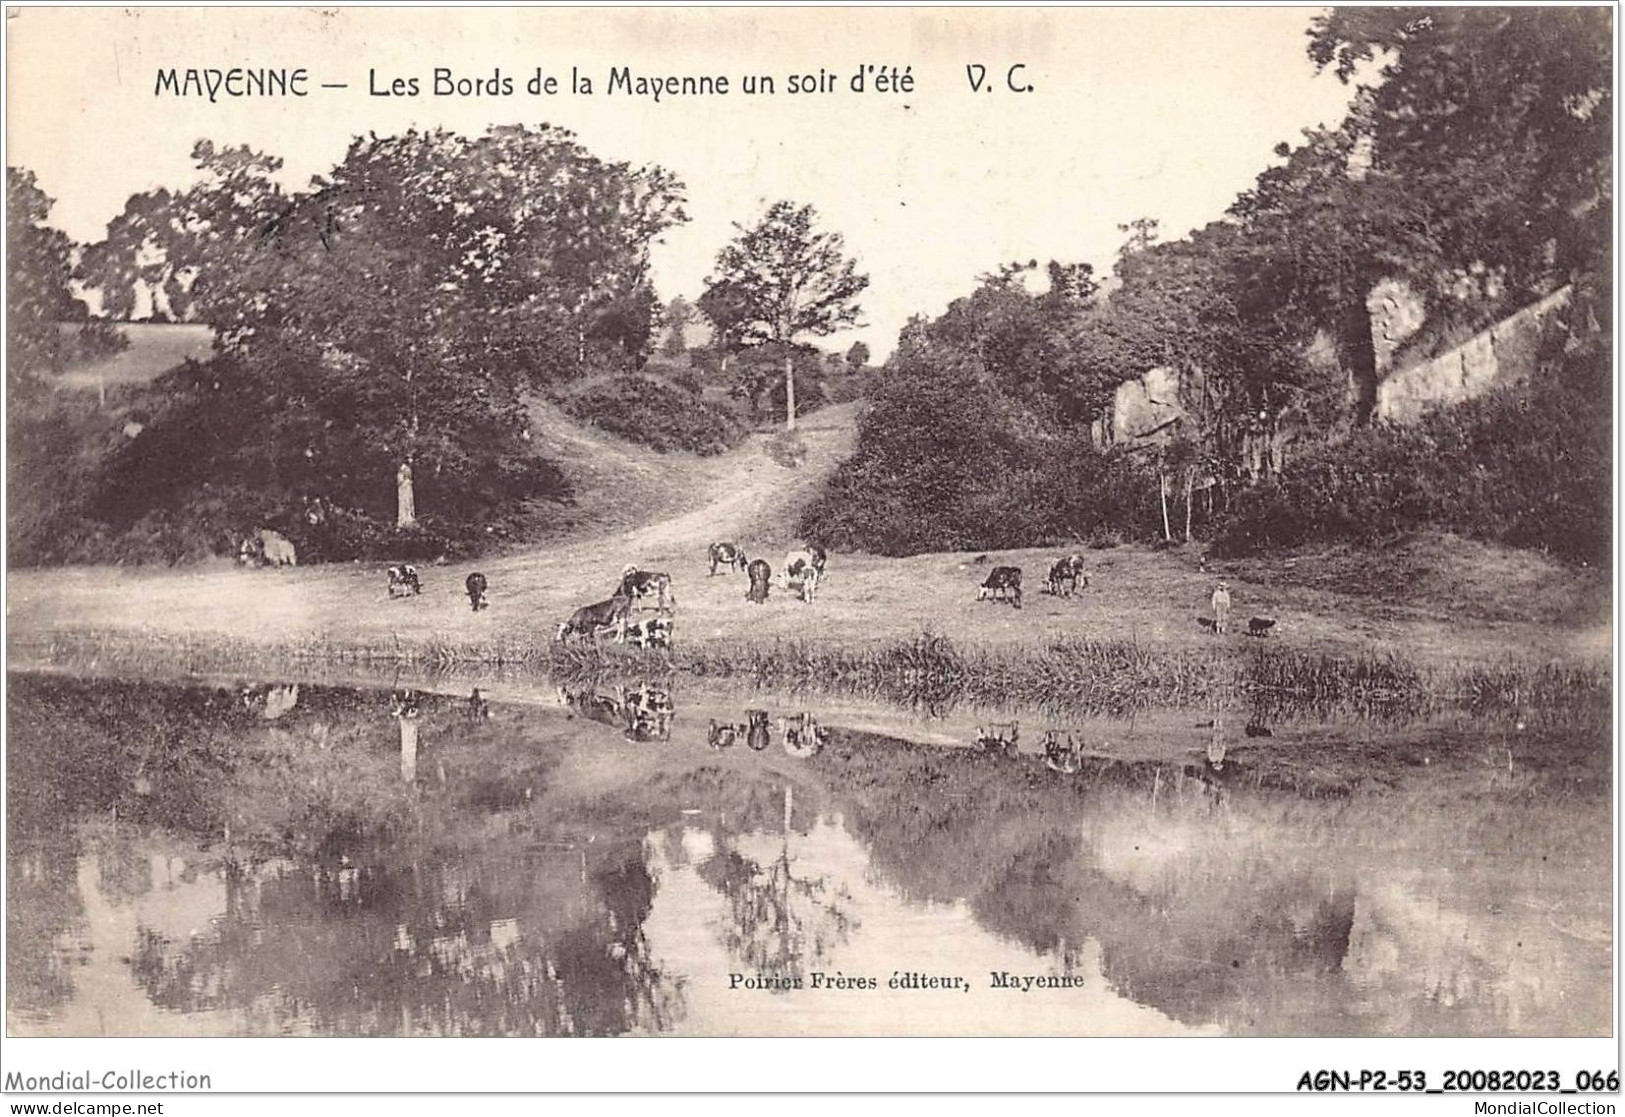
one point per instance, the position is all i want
(180, 863)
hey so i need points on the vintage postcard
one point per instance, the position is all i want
(1058, 523)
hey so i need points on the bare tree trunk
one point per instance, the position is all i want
(789, 390)
(1162, 484)
(406, 513)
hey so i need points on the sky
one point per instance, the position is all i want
(1145, 112)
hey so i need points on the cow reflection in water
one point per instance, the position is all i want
(802, 735)
(1062, 753)
(998, 738)
(641, 714)
(757, 734)
(271, 702)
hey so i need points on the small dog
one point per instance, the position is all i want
(1260, 626)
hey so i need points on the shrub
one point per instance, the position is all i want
(645, 411)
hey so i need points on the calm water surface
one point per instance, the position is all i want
(261, 859)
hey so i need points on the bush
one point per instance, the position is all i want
(645, 411)
(1529, 466)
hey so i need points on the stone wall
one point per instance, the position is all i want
(1506, 353)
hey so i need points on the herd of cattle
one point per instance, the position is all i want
(801, 574)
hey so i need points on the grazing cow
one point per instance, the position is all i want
(1260, 626)
(1065, 575)
(1208, 623)
(1002, 581)
(589, 620)
(757, 735)
(476, 585)
(760, 575)
(403, 580)
(727, 556)
(651, 632)
(1066, 757)
(999, 738)
(1221, 608)
(721, 736)
(802, 735)
(803, 570)
(276, 549)
(637, 584)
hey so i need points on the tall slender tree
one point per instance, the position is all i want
(781, 280)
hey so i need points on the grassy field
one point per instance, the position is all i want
(1434, 601)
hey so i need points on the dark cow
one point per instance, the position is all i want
(476, 586)
(651, 632)
(1003, 584)
(478, 708)
(403, 580)
(998, 738)
(589, 620)
(1260, 626)
(727, 556)
(757, 735)
(761, 574)
(637, 584)
(1065, 575)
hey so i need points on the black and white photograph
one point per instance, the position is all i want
(774, 524)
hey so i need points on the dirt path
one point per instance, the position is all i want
(1435, 601)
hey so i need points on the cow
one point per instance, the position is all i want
(721, 736)
(476, 585)
(1002, 581)
(637, 584)
(478, 708)
(595, 707)
(267, 548)
(999, 738)
(403, 580)
(728, 556)
(651, 632)
(648, 714)
(1065, 575)
(803, 737)
(589, 620)
(803, 570)
(761, 574)
(1065, 758)
(1260, 626)
(1221, 608)
(757, 735)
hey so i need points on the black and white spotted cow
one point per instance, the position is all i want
(651, 632)
(1003, 583)
(403, 580)
(638, 584)
(1066, 574)
(727, 557)
(804, 570)
(648, 713)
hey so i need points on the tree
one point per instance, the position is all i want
(678, 315)
(37, 294)
(782, 281)
(392, 313)
(857, 357)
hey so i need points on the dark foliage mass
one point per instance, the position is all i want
(657, 415)
(1473, 167)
